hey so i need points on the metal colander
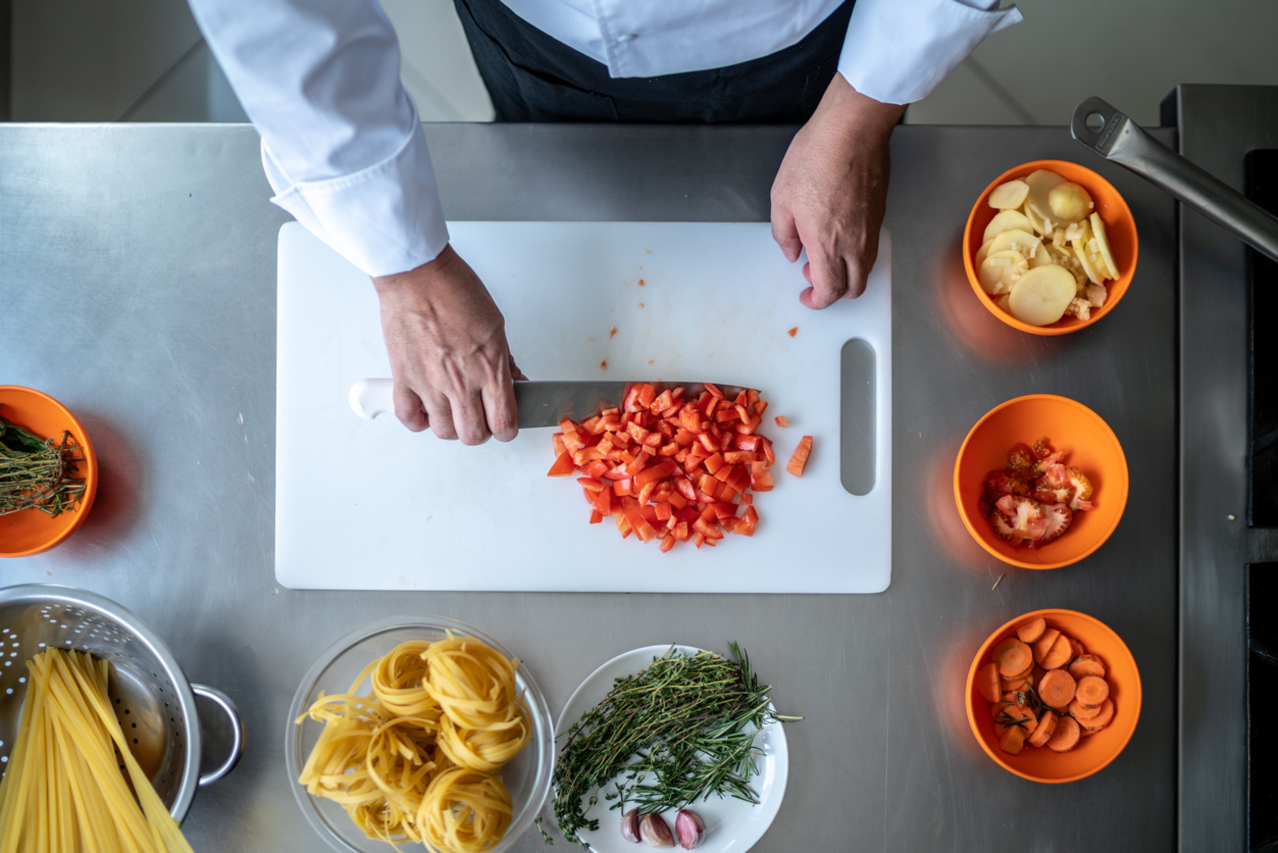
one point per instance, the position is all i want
(153, 701)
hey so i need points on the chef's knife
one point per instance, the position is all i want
(540, 404)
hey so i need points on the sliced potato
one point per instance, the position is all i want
(1102, 244)
(1080, 252)
(1009, 196)
(981, 253)
(1006, 220)
(1038, 223)
(1041, 184)
(1022, 241)
(1041, 295)
(1095, 295)
(1001, 270)
(1004, 302)
(1069, 202)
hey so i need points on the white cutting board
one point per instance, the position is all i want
(368, 505)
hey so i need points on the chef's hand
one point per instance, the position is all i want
(448, 352)
(831, 190)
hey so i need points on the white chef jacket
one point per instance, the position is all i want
(342, 144)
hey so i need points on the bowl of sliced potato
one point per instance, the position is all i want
(1050, 247)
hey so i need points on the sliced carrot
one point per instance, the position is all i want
(1056, 689)
(1092, 691)
(1014, 685)
(1076, 649)
(1032, 630)
(1043, 644)
(1059, 655)
(1101, 720)
(1012, 740)
(800, 458)
(1087, 665)
(1046, 725)
(1066, 736)
(1013, 658)
(1080, 713)
(987, 682)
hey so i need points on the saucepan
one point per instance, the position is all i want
(1102, 128)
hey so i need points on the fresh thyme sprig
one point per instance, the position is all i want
(37, 473)
(678, 731)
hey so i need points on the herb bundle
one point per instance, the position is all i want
(678, 731)
(37, 473)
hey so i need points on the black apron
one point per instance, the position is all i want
(532, 76)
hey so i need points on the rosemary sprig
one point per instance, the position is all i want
(678, 731)
(37, 473)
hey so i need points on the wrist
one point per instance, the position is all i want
(419, 278)
(859, 113)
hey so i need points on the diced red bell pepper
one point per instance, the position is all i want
(800, 458)
(563, 466)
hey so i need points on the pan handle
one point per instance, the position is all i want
(1120, 139)
(237, 731)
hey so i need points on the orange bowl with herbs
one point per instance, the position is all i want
(1119, 234)
(61, 480)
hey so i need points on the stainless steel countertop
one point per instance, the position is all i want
(137, 270)
(1218, 125)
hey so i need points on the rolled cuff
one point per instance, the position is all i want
(384, 219)
(897, 52)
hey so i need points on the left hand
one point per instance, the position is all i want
(831, 190)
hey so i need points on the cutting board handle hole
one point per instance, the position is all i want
(857, 399)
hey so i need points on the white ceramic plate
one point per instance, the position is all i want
(732, 825)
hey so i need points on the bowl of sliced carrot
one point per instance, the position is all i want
(1041, 481)
(1053, 695)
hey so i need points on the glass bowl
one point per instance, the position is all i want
(527, 776)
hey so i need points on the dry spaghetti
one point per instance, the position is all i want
(417, 758)
(63, 789)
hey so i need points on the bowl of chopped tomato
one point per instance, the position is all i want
(48, 472)
(1053, 695)
(1041, 481)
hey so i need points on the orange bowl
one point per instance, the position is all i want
(1089, 444)
(1094, 752)
(31, 531)
(1120, 228)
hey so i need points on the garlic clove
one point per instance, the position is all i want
(690, 828)
(654, 832)
(630, 826)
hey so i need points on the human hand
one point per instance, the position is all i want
(831, 190)
(449, 358)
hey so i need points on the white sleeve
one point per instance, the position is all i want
(897, 51)
(342, 144)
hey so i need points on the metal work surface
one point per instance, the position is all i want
(1218, 125)
(137, 268)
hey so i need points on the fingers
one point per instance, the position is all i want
(499, 404)
(408, 408)
(786, 233)
(469, 419)
(440, 413)
(828, 275)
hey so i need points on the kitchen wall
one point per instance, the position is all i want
(144, 60)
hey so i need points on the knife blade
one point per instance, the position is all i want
(538, 403)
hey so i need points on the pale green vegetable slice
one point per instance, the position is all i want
(1041, 184)
(1006, 220)
(1001, 270)
(1009, 196)
(1041, 295)
(1102, 243)
(1069, 202)
(1080, 252)
(1038, 223)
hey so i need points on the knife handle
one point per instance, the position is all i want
(370, 397)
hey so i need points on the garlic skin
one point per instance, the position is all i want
(690, 828)
(654, 831)
(630, 826)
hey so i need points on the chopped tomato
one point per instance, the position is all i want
(800, 457)
(669, 467)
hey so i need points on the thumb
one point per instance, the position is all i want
(829, 277)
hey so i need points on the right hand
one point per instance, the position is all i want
(449, 358)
